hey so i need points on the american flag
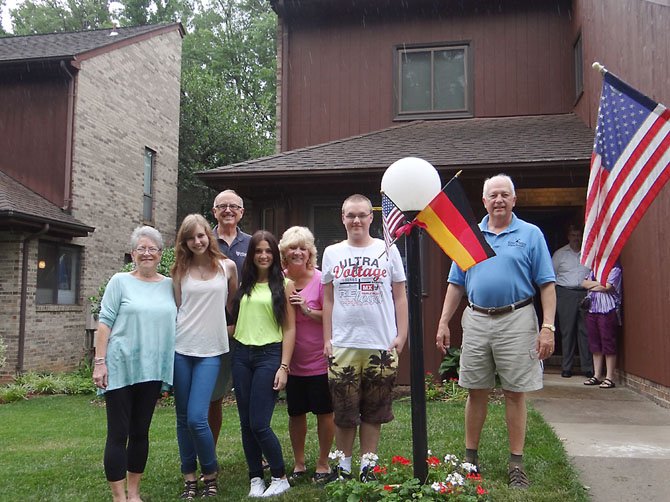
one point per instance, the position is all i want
(629, 166)
(392, 219)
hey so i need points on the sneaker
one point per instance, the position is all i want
(518, 478)
(367, 474)
(257, 487)
(277, 487)
(339, 474)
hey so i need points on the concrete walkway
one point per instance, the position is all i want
(618, 440)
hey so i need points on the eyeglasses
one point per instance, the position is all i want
(232, 207)
(360, 216)
(151, 250)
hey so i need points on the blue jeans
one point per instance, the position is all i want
(254, 370)
(194, 379)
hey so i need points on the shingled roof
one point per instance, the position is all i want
(68, 45)
(541, 140)
(20, 206)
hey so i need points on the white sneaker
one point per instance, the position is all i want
(278, 486)
(257, 487)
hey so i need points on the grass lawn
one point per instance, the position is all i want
(51, 450)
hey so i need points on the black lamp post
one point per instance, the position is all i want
(411, 184)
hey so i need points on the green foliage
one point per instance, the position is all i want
(50, 16)
(450, 365)
(31, 383)
(164, 267)
(446, 390)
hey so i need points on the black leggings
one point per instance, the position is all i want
(129, 413)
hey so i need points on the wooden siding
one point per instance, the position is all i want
(631, 39)
(339, 71)
(33, 132)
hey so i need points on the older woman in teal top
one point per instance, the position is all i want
(134, 355)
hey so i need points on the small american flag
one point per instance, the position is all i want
(392, 219)
(629, 166)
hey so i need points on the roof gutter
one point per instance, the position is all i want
(69, 125)
(24, 296)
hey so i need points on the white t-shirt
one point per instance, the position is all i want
(201, 319)
(363, 308)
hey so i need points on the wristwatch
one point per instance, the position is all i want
(550, 327)
(309, 310)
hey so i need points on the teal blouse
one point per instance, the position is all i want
(142, 318)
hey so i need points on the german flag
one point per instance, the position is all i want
(451, 223)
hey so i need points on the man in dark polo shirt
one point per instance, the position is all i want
(228, 210)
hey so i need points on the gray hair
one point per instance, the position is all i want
(149, 233)
(499, 176)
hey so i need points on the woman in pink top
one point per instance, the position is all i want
(307, 385)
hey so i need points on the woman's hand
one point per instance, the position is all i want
(100, 375)
(297, 300)
(280, 379)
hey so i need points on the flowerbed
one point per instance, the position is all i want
(448, 479)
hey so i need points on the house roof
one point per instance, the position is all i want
(69, 45)
(541, 140)
(21, 207)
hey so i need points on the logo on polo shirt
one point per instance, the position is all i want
(517, 243)
(243, 254)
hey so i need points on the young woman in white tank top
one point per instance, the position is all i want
(205, 282)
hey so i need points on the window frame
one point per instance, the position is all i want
(75, 272)
(148, 197)
(400, 50)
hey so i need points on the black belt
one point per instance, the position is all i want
(501, 310)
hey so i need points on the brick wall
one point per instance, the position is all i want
(10, 287)
(127, 99)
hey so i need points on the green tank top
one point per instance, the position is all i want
(256, 323)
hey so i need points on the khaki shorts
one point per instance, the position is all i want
(503, 344)
(361, 383)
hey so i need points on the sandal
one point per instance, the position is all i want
(296, 477)
(607, 384)
(321, 477)
(210, 489)
(592, 381)
(190, 490)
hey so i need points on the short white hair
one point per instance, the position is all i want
(498, 176)
(149, 233)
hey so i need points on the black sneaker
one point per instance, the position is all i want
(339, 474)
(518, 478)
(367, 474)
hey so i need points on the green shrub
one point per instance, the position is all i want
(12, 393)
(31, 383)
(164, 267)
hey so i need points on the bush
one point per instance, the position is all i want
(31, 383)
(164, 267)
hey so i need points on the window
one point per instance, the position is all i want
(433, 81)
(579, 67)
(148, 205)
(57, 273)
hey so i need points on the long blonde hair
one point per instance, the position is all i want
(183, 256)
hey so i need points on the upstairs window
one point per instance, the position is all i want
(148, 202)
(57, 273)
(433, 82)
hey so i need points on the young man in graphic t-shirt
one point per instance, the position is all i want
(364, 328)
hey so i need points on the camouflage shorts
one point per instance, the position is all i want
(361, 384)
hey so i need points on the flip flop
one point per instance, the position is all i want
(607, 384)
(592, 381)
(297, 477)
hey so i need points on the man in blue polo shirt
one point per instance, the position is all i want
(228, 209)
(500, 327)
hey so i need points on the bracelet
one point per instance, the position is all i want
(284, 366)
(98, 363)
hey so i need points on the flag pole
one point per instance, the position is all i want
(597, 66)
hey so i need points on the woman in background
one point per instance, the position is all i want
(265, 336)
(134, 355)
(205, 282)
(307, 386)
(602, 324)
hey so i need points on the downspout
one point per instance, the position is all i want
(67, 188)
(24, 296)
